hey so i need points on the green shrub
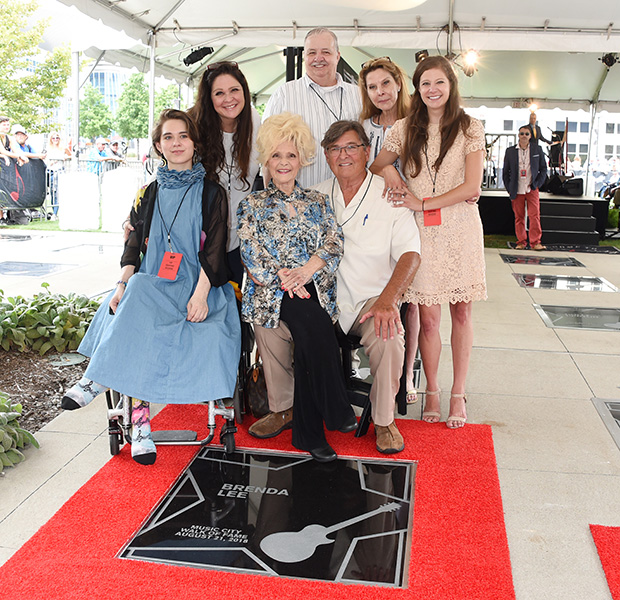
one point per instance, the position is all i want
(612, 218)
(12, 437)
(46, 321)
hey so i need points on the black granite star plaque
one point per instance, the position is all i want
(285, 515)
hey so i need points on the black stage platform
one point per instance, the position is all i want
(285, 515)
(498, 218)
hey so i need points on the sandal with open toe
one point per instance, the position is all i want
(412, 396)
(431, 416)
(455, 422)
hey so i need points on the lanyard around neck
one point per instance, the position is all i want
(358, 204)
(176, 214)
(329, 108)
(428, 168)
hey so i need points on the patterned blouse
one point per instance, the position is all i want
(272, 239)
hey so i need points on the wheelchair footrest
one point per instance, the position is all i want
(179, 435)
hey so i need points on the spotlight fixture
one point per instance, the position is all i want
(196, 55)
(609, 59)
(470, 60)
(420, 55)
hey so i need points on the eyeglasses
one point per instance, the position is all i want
(368, 63)
(217, 65)
(525, 133)
(348, 149)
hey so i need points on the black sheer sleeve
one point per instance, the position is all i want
(133, 245)
(215, 225)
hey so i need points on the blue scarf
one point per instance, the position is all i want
(179, 179)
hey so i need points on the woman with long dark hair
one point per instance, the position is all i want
(227, 127)
(441, 150)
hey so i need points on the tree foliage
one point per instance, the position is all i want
(95, 115)
(167, 98)
(132, 115)
(30, 84)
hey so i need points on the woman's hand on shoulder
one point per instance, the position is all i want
(394, 183)
(405, 199)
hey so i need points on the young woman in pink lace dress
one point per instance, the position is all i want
(441, 150)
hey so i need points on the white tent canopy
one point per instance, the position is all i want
(549, 52)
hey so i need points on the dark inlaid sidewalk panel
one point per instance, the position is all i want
(609, 411)
(564, 282)
(32, 269)
(285, 515)
(579, 317)
(554, 261)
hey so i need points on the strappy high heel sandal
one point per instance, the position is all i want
(431, 414)
(453, 421)
(412, 396)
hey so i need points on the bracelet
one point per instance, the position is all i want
(121, 281)
(422, 204)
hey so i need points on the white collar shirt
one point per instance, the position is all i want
(376, 235)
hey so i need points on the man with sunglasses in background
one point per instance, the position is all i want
(525, 170)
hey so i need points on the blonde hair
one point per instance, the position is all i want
(403, 101)
(285, 127)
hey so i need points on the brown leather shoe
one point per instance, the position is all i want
(272, 424)
(389, 440)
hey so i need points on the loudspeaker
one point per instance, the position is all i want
(573, 187)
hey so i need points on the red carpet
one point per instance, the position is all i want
(459, 548)
(607, 540)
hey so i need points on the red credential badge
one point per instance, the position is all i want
(170, 265)
(432, 217)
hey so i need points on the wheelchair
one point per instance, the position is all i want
(231, 409)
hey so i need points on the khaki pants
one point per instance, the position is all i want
(386, 365)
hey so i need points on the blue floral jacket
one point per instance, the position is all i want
(272, 239)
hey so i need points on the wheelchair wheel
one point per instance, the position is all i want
(116, 439)
(237, 402)
(228, 439)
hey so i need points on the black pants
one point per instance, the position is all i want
(320, 393)
(233, 258)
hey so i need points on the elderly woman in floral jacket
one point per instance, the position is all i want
(291, 246)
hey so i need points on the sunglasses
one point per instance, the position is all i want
(525, 133)
(217, 65)
(370, 62)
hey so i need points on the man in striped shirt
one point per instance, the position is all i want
(320, 97)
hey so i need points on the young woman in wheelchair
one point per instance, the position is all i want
(170, 332)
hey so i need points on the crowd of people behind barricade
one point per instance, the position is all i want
(56, 155)
(366, 200)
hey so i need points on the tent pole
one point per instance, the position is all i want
(593, 111)
(75, 126)
(152, 45)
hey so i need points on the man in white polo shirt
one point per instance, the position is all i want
(381, 257)
(320, 97)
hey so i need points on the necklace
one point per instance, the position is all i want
(358, 204)
(428, 168)
(329, 108)
(228, 169)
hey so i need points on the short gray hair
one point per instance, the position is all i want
(318, 31)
